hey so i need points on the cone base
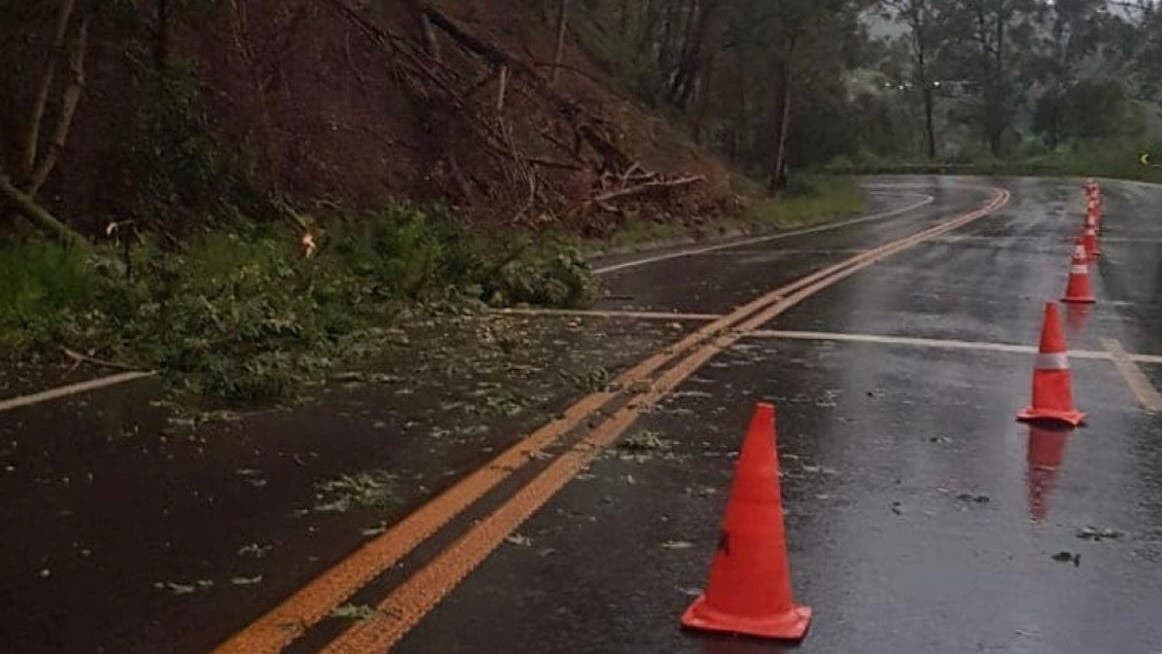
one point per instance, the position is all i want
(790, 625)
(1088, 299)
(1031, 414)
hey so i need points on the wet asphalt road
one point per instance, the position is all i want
(917, 519)
(877, 443)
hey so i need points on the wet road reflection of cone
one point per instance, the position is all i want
(1052, 395)
(1078, 289)
(749, 591)
(1089, 238)
(1094, 209)
(1075, 317)
(1046, 454)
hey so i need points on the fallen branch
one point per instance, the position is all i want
(648, 187)
(571, 110)
(84, 358)
(27, 206)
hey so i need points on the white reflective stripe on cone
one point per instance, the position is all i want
(1079, 269)
(1051, 361)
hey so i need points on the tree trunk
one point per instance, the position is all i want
(501, 88)
(36, 118)
(1054, 123)
(929, 127)
(69, 101)
(997, 130)
(161, 45)
(424, 27)
(27, 206)
(692, 62)
(562, 25)
(645, 33)
(705, 85)
(782, 116)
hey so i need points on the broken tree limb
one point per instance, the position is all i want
(648, 187)
(503, 85)
(27, 206)
(559, 53)
(569, 109)
(84, 358)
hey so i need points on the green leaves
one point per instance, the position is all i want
(242, 317)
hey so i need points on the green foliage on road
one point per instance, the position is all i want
(242, 316)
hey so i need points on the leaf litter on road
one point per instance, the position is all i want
(1098, 534)
(353, 612)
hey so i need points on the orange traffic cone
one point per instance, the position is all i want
(1089, 239)
(1093, 212)
(1046, 454)
(1052, 398)
(1092, 190)
(749, 591)
(1077, 289)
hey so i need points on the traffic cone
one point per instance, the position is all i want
(1092, 190)
(1077, 289)
(1046, 454)
(749, 591)
(1089, 239)
(1093, 212)
(1052, 398)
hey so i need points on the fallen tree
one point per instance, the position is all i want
(446, 69)
(28, 207)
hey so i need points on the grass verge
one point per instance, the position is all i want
(808, 200)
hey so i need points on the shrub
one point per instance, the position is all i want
(243, 317)
(39, 280)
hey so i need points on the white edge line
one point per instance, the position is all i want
(1139, 384)
(927, 199)
(933, 342)
(613, 313)
(72, 389)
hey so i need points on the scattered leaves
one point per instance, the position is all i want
(1098, 534)
(354, 612)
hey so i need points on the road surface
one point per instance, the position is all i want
(895, 347)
